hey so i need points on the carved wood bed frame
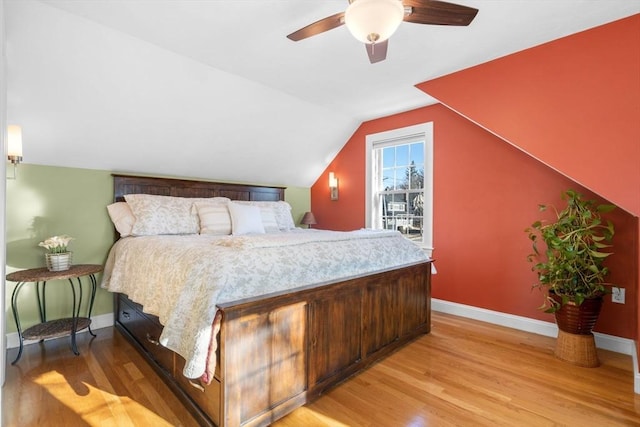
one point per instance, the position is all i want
(277, 352)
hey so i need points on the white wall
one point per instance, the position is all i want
(3, 127)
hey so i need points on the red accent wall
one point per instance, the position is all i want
(486, 193)
(573, 103)
(347, 213)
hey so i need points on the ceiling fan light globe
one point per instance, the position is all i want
(380, 18)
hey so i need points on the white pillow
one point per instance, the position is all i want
(281, 211)
(214, 218)
(245, 219)
(122, 217)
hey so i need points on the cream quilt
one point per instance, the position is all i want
(180, 279)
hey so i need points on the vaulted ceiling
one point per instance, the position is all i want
(213, 88)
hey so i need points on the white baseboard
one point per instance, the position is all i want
(603, 341)
(503, 319)
(636, 374)
(97, 322)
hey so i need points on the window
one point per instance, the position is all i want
(400, 182)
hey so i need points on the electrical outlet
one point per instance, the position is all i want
(617, 295)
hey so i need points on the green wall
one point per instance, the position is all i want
(300, 200)
(45, 201)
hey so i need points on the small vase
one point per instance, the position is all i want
(59, 262)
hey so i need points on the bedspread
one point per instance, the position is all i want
(180, 279)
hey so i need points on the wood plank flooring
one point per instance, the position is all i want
(464, 373)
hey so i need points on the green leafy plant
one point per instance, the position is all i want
(577, 243)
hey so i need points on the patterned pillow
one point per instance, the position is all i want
(282, 211)
(214, 218)
(164, 214)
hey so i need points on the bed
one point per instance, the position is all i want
(274, 351)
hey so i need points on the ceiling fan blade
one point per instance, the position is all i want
(439, 13)
(326, 24)
(377, 51)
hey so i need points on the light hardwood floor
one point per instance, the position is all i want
(464, 373)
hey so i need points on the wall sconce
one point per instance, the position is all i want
(308, 219)
(14, 147)
(333, 186)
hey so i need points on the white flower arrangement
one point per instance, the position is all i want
(56, 244)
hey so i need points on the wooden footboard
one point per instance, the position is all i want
(278, 352)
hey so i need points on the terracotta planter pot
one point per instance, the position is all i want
(578, 319)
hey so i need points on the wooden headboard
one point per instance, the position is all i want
(128, 184)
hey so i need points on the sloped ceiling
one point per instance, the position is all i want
(573, 103)
(213, 89)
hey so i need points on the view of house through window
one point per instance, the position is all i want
(400, 188)
(400, 182)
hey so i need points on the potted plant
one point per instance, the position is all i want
(58, 257)
(571, 265)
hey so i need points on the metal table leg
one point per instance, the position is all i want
(14, 298)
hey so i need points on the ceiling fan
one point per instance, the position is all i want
(374, 21)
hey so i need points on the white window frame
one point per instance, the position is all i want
(423, 132)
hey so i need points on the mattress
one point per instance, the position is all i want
(181, 279)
